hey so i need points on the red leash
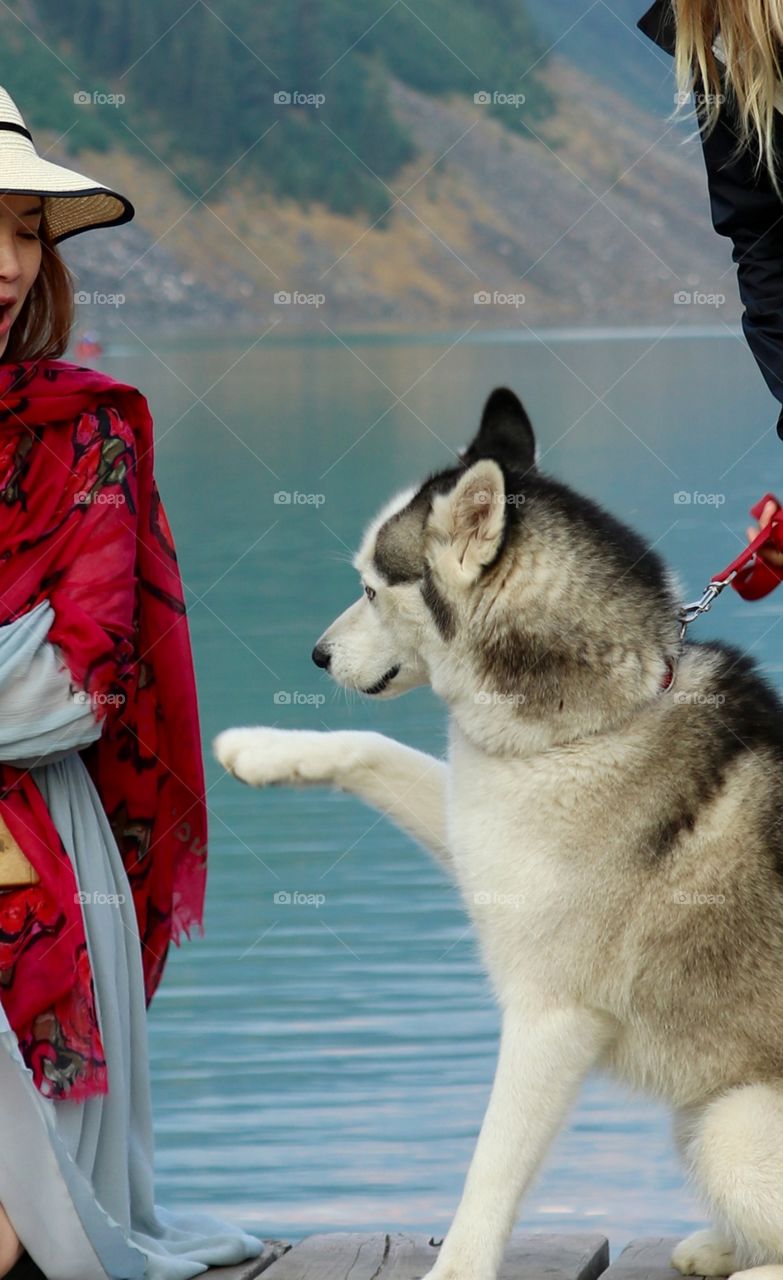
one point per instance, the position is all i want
(757, 579)
(748, 574)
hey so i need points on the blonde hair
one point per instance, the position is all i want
(42, 329)
(752, 35)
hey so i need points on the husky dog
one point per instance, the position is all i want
(610, 810)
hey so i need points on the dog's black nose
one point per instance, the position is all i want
(321, 657)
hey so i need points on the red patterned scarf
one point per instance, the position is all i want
(82, 525)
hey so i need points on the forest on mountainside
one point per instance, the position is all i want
(310, 80)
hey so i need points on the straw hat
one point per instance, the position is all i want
(72, 201)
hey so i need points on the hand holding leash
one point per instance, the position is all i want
(770, 553)
(760, 569)
(752, 574)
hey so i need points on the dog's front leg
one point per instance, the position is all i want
(542, 1060)
(406, 785)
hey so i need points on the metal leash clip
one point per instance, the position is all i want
(689, 612)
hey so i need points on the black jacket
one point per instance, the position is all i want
(745, 207)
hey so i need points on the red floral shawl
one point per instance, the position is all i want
(82, 525)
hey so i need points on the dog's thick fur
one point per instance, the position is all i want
(618, 844)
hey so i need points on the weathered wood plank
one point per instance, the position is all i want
(646, 1259)
(398, 1256)
(249, 1270)
(533, 1256)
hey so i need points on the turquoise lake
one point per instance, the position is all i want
(327, 1067)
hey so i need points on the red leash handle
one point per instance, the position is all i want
(753, 577)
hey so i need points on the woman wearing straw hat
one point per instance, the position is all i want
(102, 808)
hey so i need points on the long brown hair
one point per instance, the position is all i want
(43, 327)
(752, 34)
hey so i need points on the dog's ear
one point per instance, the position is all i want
(505, 435)
(466, 524)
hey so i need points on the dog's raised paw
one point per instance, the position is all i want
(259, 756)
(704, 1253)
(231, 743)
(266, 757)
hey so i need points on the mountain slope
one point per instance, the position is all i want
(585, 202)
(603, 220)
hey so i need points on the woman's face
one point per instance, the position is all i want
(20, 256)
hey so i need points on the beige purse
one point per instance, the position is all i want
(15, 870)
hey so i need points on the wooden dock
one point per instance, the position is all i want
(398, 1256)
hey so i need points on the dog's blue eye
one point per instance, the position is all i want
(369, 592)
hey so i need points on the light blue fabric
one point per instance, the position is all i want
(40, 718)
(76, 1179)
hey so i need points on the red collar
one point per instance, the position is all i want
(668, 676)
